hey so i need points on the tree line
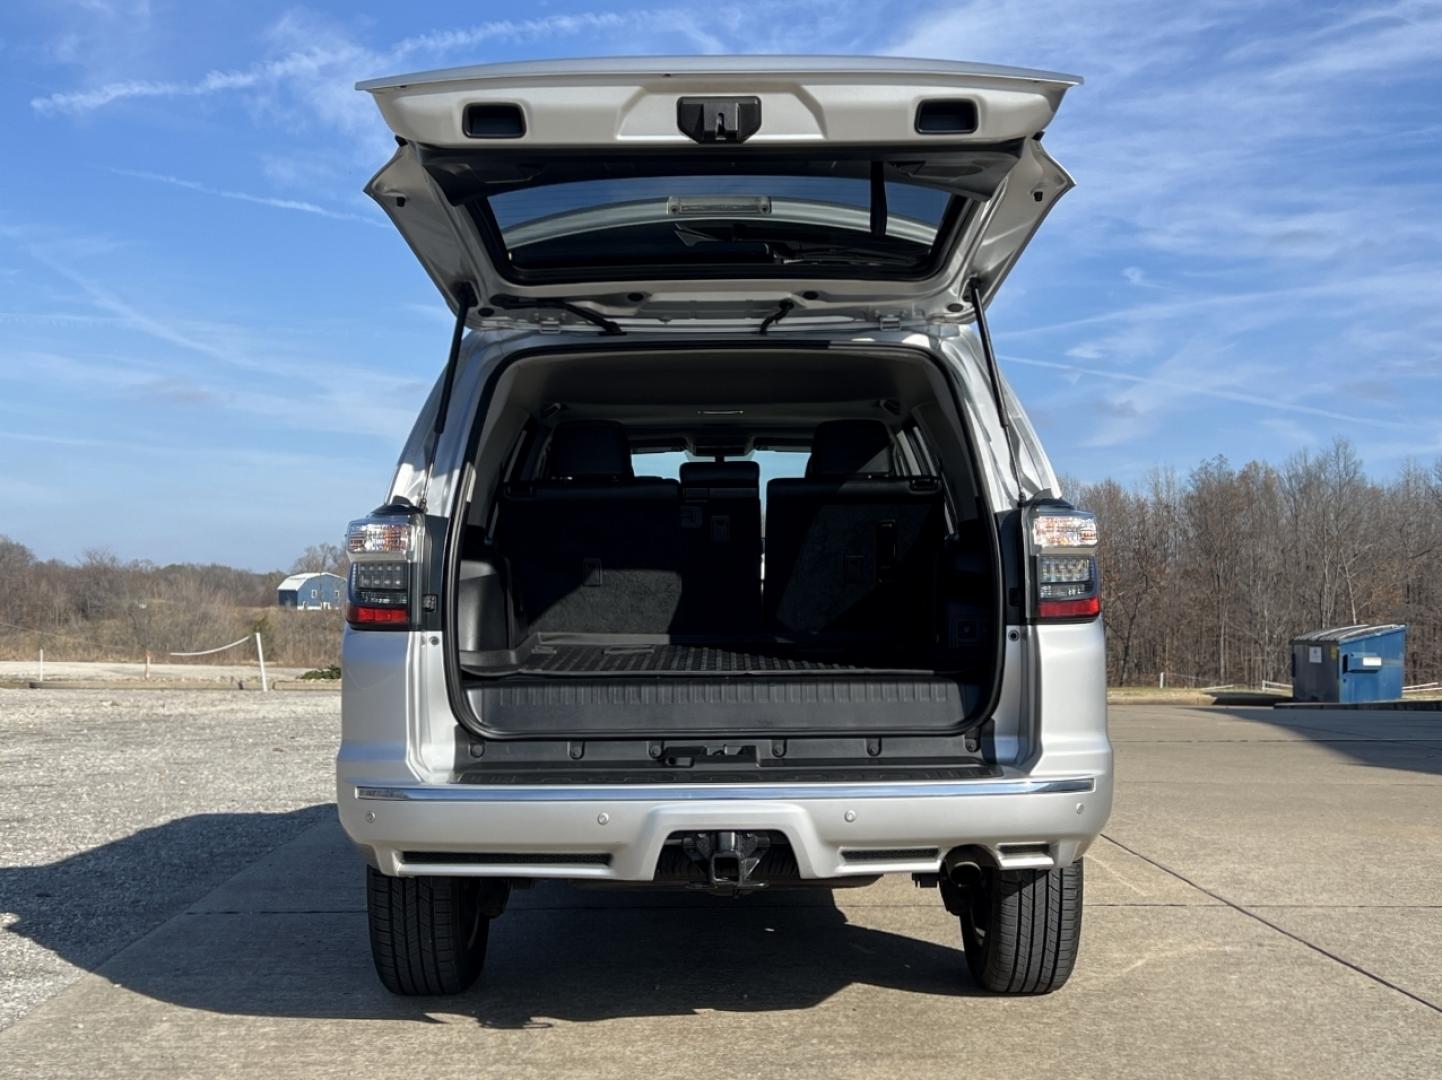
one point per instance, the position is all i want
(105, 608)
(1209, 577)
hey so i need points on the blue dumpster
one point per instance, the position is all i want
(1349, 664)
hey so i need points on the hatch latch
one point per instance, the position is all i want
(718, 119)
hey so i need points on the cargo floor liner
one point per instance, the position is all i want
(698, 660)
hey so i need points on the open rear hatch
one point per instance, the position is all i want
(664, 191)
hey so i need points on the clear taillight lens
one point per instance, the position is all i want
(383, 550)
(392, 536)
(1062, 529)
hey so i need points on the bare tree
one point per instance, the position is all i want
(322, 558)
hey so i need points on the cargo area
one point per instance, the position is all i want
(810, 553)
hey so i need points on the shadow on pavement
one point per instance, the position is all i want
(287, 935)
(1374, 739)
(89, 906)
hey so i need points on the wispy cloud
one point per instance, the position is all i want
(1205, 384)
(231, 454)
(242, 374)
(339, 60)
(123, 312)
(297, 205)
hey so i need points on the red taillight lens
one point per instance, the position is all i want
(361, 615)
(1069, 609)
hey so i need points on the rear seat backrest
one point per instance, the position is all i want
(592, 548)
(852, 549)
(721, 529)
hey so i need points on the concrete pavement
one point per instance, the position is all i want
(1267, 904)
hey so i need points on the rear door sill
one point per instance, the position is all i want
(726, 707)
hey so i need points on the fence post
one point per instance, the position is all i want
(42, 663)
(260, 655)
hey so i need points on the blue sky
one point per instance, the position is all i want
(211, 345)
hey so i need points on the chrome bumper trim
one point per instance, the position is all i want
(474, 793)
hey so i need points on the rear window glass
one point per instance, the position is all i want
(756, 223)
(908, 205)
(775, 464)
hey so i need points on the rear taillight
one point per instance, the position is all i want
(384, 550)
(1063, 563)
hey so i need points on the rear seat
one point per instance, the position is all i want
(592, 548)
(852, 550)
(721, 528)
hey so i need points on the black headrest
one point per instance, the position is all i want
(721, 473)
(850, 448)
(588, 449)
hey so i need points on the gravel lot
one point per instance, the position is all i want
(118, 808)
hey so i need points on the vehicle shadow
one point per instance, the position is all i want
(1410, 741)
(286, 935)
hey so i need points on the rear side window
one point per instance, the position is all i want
(775, 465)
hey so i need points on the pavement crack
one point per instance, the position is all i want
(1273, 926)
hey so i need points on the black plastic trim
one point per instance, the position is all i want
(871, 855)
(506, 858)
(493, 120)
(946, 116)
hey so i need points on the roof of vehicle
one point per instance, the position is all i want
(698, 65)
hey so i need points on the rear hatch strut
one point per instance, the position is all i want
(465, 301)
(993, 374)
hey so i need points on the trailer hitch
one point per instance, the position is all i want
(730, 858)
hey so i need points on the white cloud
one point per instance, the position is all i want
(259, 200)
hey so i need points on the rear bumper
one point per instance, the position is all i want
(617, 833)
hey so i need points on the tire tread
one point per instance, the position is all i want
(418, 929)
(1032, 939)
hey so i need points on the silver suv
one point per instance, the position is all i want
(722, 557)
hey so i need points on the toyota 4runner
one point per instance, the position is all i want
(721, 556)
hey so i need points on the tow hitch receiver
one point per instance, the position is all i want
(730, 858)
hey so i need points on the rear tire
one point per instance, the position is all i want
(1021, 928)
(428, 934)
